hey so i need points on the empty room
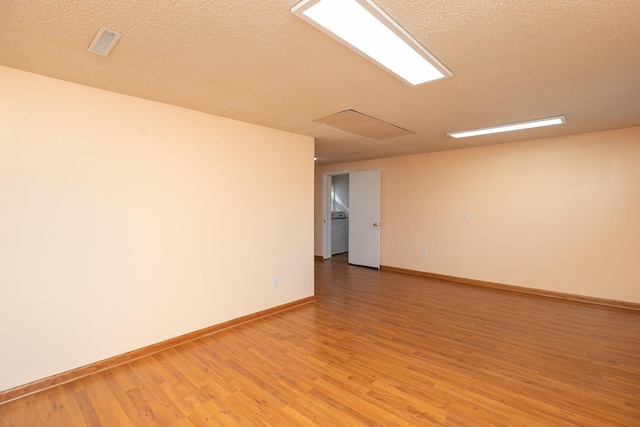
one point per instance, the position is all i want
(319, 213)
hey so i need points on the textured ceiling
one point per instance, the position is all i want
(254, 61)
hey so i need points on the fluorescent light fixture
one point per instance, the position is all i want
(104, 41)
(364, 27)
(507, 128)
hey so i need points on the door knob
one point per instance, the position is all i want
(375, 224)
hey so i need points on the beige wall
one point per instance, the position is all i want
(125, 222)
(560, 214)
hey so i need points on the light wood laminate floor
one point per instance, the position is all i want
(377, 348)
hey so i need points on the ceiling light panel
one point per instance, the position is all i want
(364, 27)
(104, 41)
(510, 127)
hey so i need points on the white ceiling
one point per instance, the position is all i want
(254, 61)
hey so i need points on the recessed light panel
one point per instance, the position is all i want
(367, 29)
(511, 127)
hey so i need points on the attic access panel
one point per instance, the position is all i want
(360, 124)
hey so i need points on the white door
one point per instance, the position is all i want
(364, 218)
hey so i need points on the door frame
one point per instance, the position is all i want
(326, 210)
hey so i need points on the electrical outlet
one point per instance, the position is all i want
(465, 216)
(274, 281)
(424, 252)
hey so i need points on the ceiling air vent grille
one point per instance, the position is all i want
(105, 40)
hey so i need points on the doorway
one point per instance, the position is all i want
(335, 208)
(339, 214)
(356, 230)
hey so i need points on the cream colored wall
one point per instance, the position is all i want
(560, 214)
(125, 222)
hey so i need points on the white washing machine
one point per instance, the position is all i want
(339, 233)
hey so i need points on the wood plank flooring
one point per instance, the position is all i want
(377, 348)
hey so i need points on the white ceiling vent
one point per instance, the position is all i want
(105, 40)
